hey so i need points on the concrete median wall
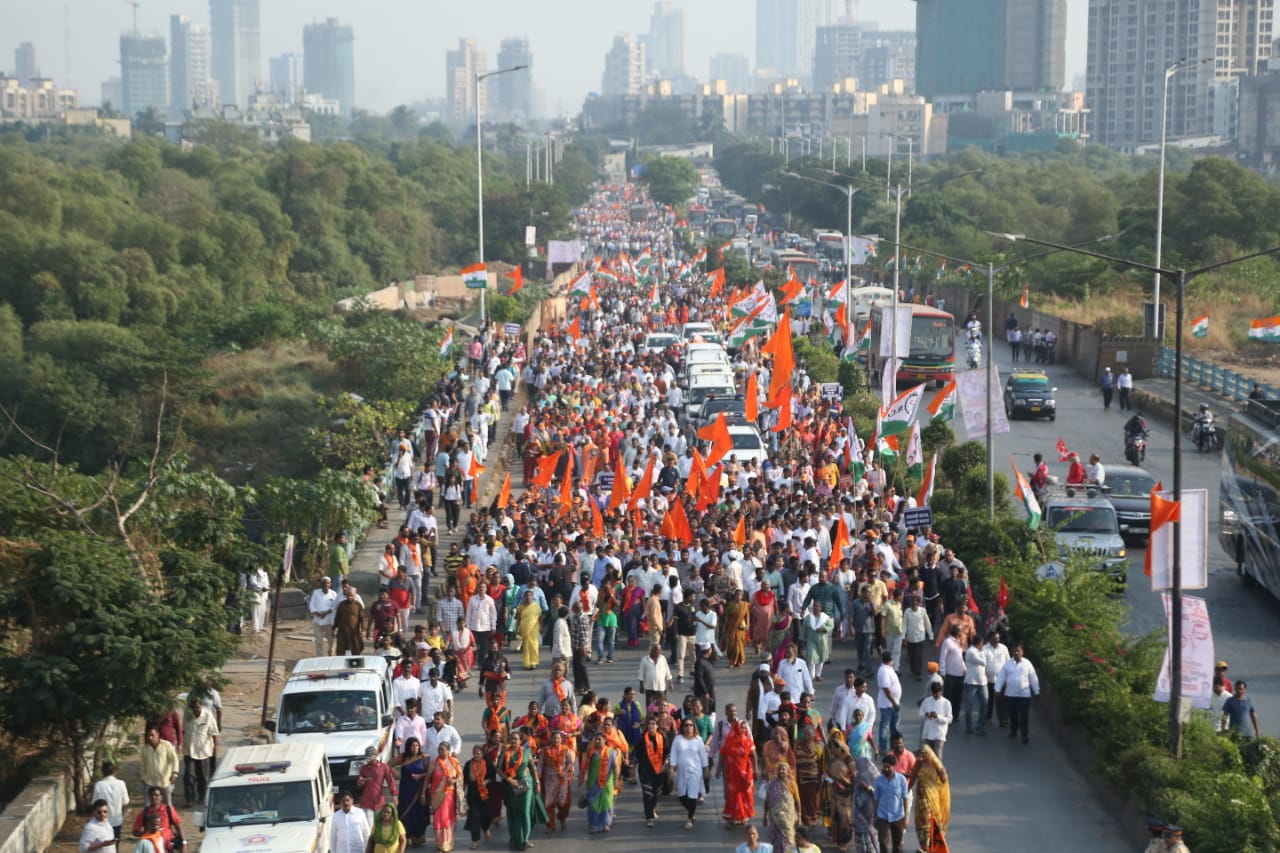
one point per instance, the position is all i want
(33, 818)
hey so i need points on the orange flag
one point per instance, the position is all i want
(474, 475)
(1163, 511)
(675, 524)
(584, 304)
(791, 289)
(784, 360)
(621, 489)
(547, 469)
(575, 328)
(751, 398)
(782, 402)
(566, 498)
(740, 532)
(709, 492)
(697, 474)
(717, 283)
(597, 520)
(517, 281)
(717, 432)
(504, 497)
(842, 323)
(644, 488)
(840, 542)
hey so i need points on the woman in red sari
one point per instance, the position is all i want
(443, 779)
(738, 770)
(764, 606)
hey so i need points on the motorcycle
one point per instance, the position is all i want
(973, 352)
(1204, 433)
(1135, 448)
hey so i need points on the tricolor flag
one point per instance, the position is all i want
(898, 416)
(915, 455)
(447, 343)
(475, 277)
(1266, 329)
(926, 486)
(942, 270)
(1200, 326)
(653, 296)
(1024, 493)
(864, 339)
(581, 285)
(887, 449)
(1025, 300)
(943, 405)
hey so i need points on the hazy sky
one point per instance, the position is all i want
(400, 44)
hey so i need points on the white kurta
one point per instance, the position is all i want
(688, 758)
(350, 831)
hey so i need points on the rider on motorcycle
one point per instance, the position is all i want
(1135, 427)
(1203, 424)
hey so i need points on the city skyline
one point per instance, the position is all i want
(400, 50)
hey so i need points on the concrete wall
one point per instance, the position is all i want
(34, 817)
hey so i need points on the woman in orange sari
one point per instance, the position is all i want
(736, 615)
(443, 780)
(777, 751)
(556, 765)
(738, 770)
(567, 722)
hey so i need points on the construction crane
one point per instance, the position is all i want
(135, 4)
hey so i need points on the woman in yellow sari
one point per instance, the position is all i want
(529, 627)
(443, 778)
(932, 799)
(737, 614)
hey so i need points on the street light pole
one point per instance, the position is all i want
(479, 78)
(991, 381)
(849, 192)
(897, 266)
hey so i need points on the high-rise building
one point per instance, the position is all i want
(862, 52)
(784, 37)
(285, 71)
(1132, 42)
(143, 76)
(190, 80)
(624, 67)
(328, 63)
(24, 63)
(734, 69)
(968, 46)
(113, 94)
(236, 43)
(513, 93)
(461, 67)
(664, 50)
(1035, 45)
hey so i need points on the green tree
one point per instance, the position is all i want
(356, 432)
(671, 180)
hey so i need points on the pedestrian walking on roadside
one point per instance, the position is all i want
(1018, 682)
(1124, 385)
(1015, 344)
(1108, 386)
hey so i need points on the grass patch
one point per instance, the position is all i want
(252, 421)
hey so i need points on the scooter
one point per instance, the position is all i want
(1204, 433)
(1135, 449)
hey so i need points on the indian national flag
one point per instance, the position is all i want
(653, 295)
(1200, 326)
(447, 343)
(475, 277)
(864, 338)
(898, 416)
(943, 404)
(942, 270)
(915, 455)
(887, 449)
(581, 285)
(1266, 329)
(1024, 493)
(926, 486)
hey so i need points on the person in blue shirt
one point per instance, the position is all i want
(1239, 712)
(890, 805)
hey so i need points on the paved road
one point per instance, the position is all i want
(1245, 618)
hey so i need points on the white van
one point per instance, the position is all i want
(703, 385)
(344, 705)
(277, 797)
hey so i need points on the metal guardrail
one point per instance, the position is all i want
(1229, 383)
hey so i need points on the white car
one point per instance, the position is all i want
(748, 444)
(689, 330)
(657, 342)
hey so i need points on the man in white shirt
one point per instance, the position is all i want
(435, 696)
(97, 833)
(410, 725)
(795, 674)
(951, 663)
(1018, 682)
(705, 621)
(441, 732)
(199, 750)
(112, 790)
(404, 688)
(321, 606)
(935, 710)
(350, 832)
(838, 715)
(975, 686)
(888, 699)
(997, 656)
(861, 700)
(654, 675)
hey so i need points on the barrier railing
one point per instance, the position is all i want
(1229, 383)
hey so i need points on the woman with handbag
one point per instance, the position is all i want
(520, 791)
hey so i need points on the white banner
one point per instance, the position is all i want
(1195, 544)
(1197, 652)
(288, 559)
(903, 341)
(889, 381)
(971, 387)
(564, 251)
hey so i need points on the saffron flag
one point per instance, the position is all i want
(517, 281)
(717, 279)
(447, 343)
(644, 488)
(504, 497)
(621, 488)
(1200, 326)
(717, 432)
(740, 532)
(1163, 511)
(597, 520)
(1064, 452)
(566, 496)
(840, 541)
(474, 475)
(926, 485)
(709, 491)
(782, 402)
(546, 469)
(791, 289)
(675, 524)
(943, 405)
(751, 399)
(1265, 329)
(1025, 300)
(1002, 597)
(475, 277)
(898, 416)
(575, 329)
(1028, 498)
(784, 361)
(697, 473)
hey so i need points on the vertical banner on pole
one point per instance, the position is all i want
(971, 388)
(287, 570)
(1197, 652)
(1193, 531)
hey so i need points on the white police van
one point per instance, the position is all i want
(343, 704)
(277, 798)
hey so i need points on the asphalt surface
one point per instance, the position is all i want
(1245, 618)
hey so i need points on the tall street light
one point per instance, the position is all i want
(479, 78)
(1180, 277)
(1157, 330)
(849, 192)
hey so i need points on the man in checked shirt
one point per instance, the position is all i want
(580, 638)
(449, 610)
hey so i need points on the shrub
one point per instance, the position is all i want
(957, 460)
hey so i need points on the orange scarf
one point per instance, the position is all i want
(653, 749)
(557, 684)
(480, 775)
(510, 768)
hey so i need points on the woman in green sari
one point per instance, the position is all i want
(600, 783)
(520, 792)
